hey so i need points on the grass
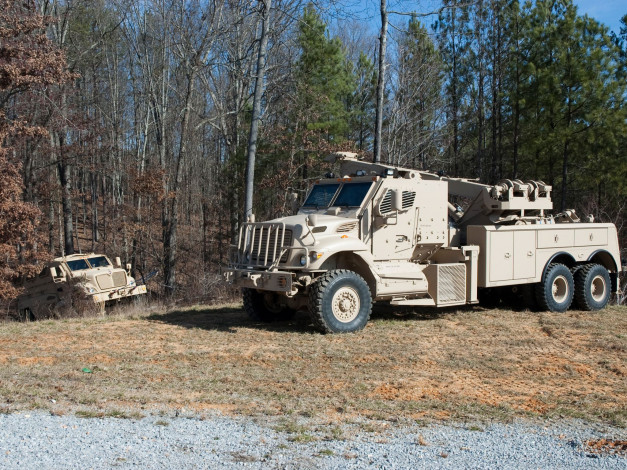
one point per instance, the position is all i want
(469, 365)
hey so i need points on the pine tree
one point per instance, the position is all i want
(361, 105)
(324, 78)
(414, 125)
(454, 41)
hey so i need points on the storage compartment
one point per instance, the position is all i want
(591, 236)
(553, 238)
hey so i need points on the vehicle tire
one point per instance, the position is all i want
(25, 315)
(340, 302)
(555, 290)
(264, 306)
(592, 287)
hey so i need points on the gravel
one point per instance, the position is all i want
(41, 440)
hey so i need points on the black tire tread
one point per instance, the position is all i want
(316, 293)
(257, 312)
(581, 299)
(541, 293)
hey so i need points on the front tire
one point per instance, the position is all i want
(264, 306)
(555, 291)
(592, 287)
(340, 302)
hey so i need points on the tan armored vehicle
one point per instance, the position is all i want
(90, 280)
(380, 233)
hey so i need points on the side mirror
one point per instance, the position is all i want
(397, 200)
(312, 220)
(128, 267)
(53, 272)
(118, 263)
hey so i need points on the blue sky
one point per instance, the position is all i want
(608, 12)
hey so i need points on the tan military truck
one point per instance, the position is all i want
(381, 233)
(90, 280)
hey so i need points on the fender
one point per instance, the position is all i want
(569, 260)
(604, 258)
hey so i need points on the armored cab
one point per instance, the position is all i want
(381, 233)
(79, 281)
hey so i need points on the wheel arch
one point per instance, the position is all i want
(605, 259)
(353, 262)
(562, 257)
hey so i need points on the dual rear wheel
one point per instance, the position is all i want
(588, 286)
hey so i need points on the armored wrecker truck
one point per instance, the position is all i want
(79, 281)
(382, 233)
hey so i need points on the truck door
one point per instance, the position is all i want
(393, 231)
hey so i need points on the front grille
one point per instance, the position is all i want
(260, 244)
(109, 281)
(104, 281)
(119, 278)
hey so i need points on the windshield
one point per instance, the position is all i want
(352, 194)
(77, 265)
(321, 195)
(98, 262)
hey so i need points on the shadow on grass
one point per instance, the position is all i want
(230, 318)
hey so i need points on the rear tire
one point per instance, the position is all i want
(265, 306)
(340, 302)
(25, 315)
(592, 287)
(555, 290)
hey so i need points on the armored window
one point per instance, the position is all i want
(77, 265)
(352, 194)
(99, 262)
(321, 195)
(408, 197)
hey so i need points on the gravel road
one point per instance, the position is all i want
(41, 440)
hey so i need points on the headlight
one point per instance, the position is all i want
(316, 255)
(303, 260)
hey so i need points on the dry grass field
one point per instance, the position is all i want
(468, 364)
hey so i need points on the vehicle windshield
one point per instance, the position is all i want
(99, 262)
(77, 264)
(352, 194)
(321, 195)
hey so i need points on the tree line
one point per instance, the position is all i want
(132, 127)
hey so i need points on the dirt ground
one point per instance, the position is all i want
(420, 365)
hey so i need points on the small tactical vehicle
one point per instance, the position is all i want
(76, 281)
(383, 233)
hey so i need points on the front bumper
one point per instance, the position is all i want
(276, 281)
(120, 293)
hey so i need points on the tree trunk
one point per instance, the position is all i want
(66, 201)
(256, 112)
(380, 83)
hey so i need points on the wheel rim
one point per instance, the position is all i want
(560, 289)
(598, 288)
(345, 304)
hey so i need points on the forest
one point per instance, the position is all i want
(150, 129)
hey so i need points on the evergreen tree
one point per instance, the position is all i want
(574, 98)
(361, 105)
(414, 125)
(454, 38)
(324, 78)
